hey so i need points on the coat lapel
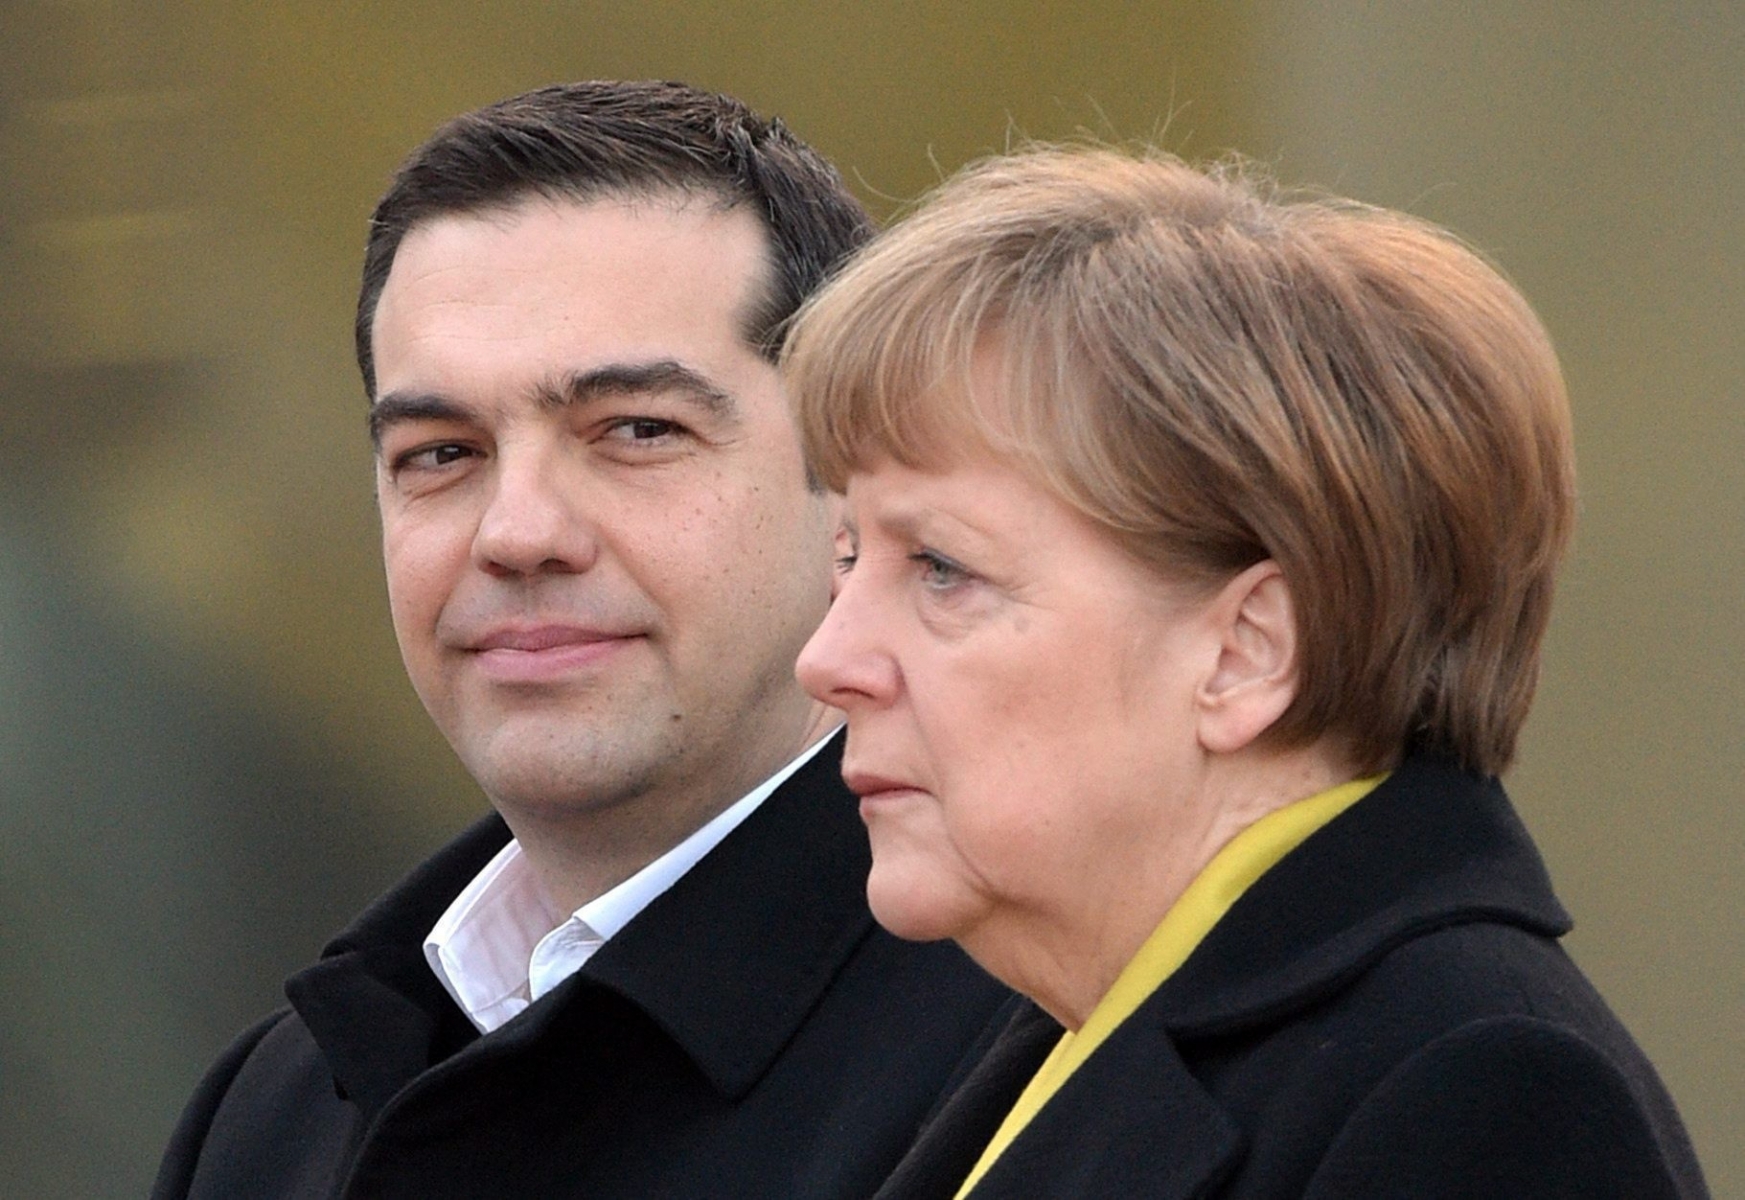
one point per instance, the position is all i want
(731, 993)
(1431, 846)
(373, 976)
(747, 984)
(952, 1140)
(1132, 1121)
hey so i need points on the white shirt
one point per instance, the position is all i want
(500, 946)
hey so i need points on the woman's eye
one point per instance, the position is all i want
(939, 573)
(847, 550)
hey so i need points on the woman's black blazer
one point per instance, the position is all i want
(1387, 1012)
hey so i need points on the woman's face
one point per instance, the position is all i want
(1021, 717)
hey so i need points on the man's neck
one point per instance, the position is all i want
(579, 854)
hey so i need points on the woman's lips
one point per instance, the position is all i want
(871, 787)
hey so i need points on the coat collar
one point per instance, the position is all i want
(1432, 846)
(380, 1016)
(371, 1003)
(731, 959)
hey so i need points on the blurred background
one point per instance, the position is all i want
(209, 757)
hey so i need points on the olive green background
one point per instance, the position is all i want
(209, 757)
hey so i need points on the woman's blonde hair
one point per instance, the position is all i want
(1218, 375)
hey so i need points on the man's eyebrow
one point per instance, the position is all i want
(664, 375)
(396, 407)
(660, 376)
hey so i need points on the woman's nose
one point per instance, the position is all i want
(847, 664)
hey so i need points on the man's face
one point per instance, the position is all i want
(602, 555)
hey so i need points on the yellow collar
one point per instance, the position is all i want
(1232, 871)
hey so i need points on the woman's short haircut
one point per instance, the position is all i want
(1217, 374)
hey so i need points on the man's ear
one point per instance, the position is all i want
(1255, 678)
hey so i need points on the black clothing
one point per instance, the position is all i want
(751, 1033)
(1384, 1013)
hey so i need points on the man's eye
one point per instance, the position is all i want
(641, 429)
(429, 457)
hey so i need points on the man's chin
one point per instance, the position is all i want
(551, 773)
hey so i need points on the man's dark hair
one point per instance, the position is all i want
(586, 141)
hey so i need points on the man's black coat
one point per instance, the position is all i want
(750, 1034)
(1384, 1013)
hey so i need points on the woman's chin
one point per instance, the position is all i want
(910, 906)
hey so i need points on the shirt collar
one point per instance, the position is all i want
(499, 946)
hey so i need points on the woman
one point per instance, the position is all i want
(1199, 546)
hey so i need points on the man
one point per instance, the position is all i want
(603, 553)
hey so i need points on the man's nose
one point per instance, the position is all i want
(535, 518)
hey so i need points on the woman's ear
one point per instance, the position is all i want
(1255, 678)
